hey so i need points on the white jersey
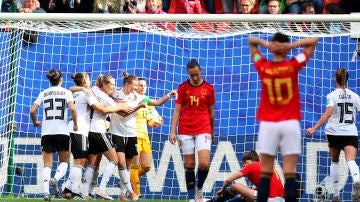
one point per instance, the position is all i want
(82, 103)
(55, 119)
(124, 126)
(345, 106)
(97, 122)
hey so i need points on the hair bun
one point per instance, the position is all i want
(125, 74)
(73, 76)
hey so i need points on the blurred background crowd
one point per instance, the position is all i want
(183, 6)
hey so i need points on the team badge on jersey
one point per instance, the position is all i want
(204, 92)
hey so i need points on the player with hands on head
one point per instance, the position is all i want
(342, 104)
(279, 111)
(194, 119)
(251, 170)
(145, 116)
(54, 132)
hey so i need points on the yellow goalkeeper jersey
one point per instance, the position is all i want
(141, 122)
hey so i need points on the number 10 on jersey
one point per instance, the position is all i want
(275, 90)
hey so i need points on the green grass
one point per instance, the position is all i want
(40, 199)
(20, 199)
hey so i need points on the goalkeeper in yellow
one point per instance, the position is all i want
(145, 116)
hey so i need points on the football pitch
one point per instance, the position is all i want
(40, 199)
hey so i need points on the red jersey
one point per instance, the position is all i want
(195, 102)
(280, 99)
(253, 173)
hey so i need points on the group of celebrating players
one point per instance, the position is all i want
(127, 145)
(86, 134)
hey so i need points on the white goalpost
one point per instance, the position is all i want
(157, 48)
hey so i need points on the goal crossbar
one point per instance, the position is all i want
(179, 17)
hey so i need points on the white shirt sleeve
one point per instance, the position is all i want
(329, 101)
(91, 100)
(69, 96)
(301, 58)
(357, 107)
(39, 100)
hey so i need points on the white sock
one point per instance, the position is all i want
(75, 178)
(107, 174)
(46, 175)
(122, 187)
(94, 180)
(61, 171)
(125, 178)
(354, 170)
(88, 175)
(335, 176)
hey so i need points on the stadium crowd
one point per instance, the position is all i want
(183, 6)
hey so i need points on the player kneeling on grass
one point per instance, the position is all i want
(252, 170)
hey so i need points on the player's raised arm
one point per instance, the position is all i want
(254, 42)
(163, 99)
(309, 44)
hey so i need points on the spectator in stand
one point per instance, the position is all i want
(294, 6)
(246, 6)
(228, 6)
(153, 7)
(193, 7)
(132, 6)
(264, 9)
(106, 6)
(274, 7)
(308, 8)
(31, 6)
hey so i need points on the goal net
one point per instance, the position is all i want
(157, 48)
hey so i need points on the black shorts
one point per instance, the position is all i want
(127, 145)
(99, 143)
(79, 145)
(52, 143)
(339, 142)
